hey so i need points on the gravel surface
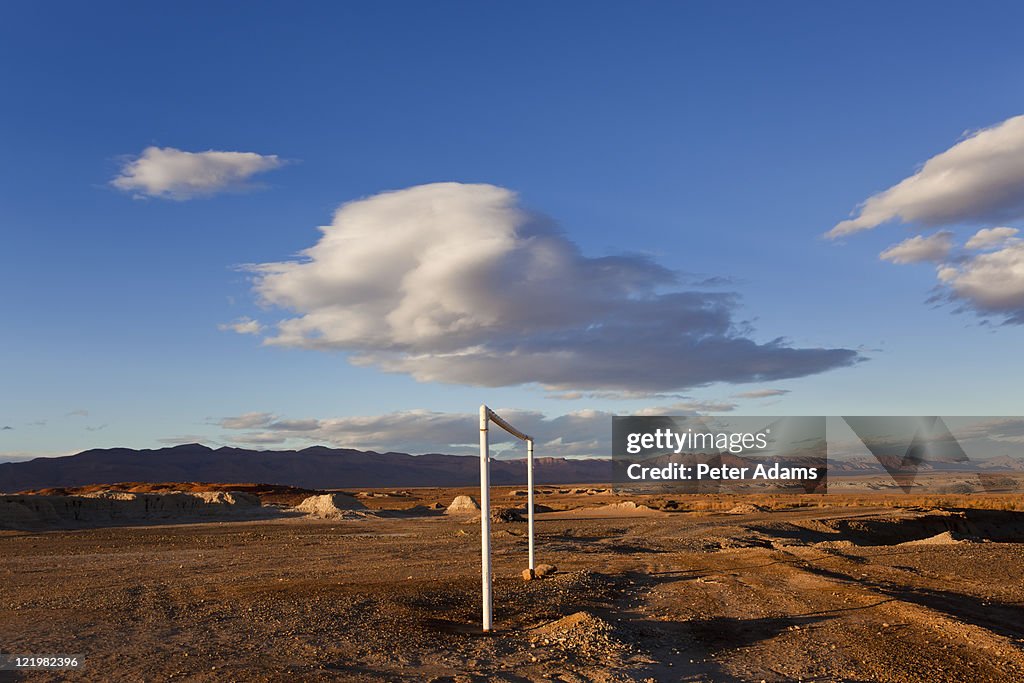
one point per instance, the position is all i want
(804, 594)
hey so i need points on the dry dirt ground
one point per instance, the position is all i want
(839, 593)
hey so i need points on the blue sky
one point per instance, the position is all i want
(716, 140)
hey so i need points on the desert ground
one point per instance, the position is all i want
(843, 587)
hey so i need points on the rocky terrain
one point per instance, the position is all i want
(120, 508)
(647, 589)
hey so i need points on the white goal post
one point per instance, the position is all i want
(487, 416)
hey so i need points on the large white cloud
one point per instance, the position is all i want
(984, 276)
(580, 433)
(989, 283)
(175, 174)
(918, 249)
(979, 179)
(457, 283)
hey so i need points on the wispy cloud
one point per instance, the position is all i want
(933, 248)
(19, 456)
(187, 438)
(679, 399)
(979, 179)
(581, 432)
(991, 238)
(242, 326)
(269, 421)
(458, 283)
(171, 173)
(762, 393)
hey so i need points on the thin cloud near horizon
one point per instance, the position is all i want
(584, 432)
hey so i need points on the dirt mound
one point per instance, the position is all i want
(16, 514)
(581, 632)
(331, 506)
(463, 505)
(627, 506)
(624, 509)
(230, 498)
(176, 501)
(902, 527)
(267, 493)
(507, 515)
(746, 509)
(105, 508)
(945, 538)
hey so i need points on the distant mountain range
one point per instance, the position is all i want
(317, 467)
(320, 467)
(1002, 463)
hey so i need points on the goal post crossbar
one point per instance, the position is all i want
(487, 416)
(498, 420)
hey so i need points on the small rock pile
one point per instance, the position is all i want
(746, 509)
(507, 515)
(539, 572)
(628, 506)
(581, 632)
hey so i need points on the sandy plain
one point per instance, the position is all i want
(787, 588)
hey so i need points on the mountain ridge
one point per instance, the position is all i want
(317, 467)
(320, 467)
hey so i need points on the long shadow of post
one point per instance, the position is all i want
(999, 617)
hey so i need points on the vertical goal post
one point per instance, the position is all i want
(486, 417)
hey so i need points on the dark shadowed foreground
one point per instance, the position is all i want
(835, 593)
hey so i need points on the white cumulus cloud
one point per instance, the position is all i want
(991, 238)
(175, 174)
(979, 179)
(934, 248)
(458, 283)
(990, 283)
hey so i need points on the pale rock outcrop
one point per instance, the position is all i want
(463, 505)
